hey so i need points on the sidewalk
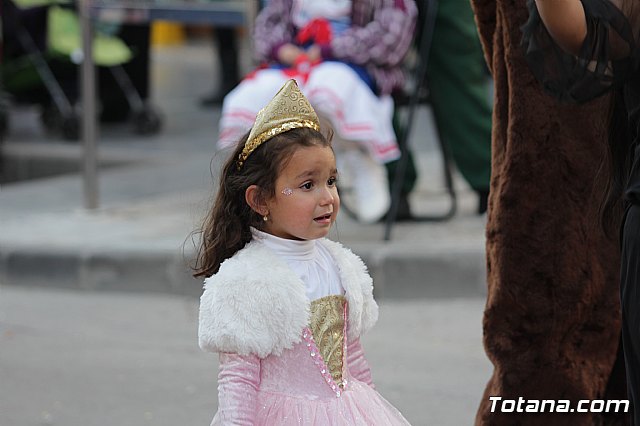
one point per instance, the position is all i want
(155, 190)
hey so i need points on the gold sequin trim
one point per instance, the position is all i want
(327, 327)
(253, 144)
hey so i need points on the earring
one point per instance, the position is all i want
(265, 217)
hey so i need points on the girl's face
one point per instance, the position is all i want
(306, 202)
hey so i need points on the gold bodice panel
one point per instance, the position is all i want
(328, 329)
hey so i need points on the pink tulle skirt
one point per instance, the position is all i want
(360, 405)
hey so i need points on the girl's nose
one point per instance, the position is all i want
(327, 195)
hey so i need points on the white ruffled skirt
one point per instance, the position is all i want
(335, 91)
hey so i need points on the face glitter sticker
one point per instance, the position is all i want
(287, 191)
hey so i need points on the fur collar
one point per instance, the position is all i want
(256, 304)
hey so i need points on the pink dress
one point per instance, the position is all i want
(298, 387)
(289, 340)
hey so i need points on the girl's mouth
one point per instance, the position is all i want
(324, 218)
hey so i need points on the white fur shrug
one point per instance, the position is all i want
(256, 304)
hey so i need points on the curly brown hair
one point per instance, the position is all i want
(226, 228)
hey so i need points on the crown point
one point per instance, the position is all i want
(289, 109)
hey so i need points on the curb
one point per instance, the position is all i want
(396, 275)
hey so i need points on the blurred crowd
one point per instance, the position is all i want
(352, 59)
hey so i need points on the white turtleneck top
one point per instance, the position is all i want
(311, 261)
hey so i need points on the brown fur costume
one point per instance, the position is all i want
(552, 319)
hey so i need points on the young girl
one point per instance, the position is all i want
(283, 306)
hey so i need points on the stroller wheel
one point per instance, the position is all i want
(70, 128)
(146, 121)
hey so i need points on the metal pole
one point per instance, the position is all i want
(88, 116)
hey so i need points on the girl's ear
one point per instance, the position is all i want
(255, 201)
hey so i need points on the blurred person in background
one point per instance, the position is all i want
(607, 32)
(459, 88)
(459, 95)
(114, 104)
(346, 57)
(226, 40)
(552, 319)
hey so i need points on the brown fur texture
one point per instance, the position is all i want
(552, 318)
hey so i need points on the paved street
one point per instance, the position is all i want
(87, 358)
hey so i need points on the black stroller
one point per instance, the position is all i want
(32, 73)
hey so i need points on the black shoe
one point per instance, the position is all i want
(403, 213)
(115, 113)
(214, 99)
(483, 201)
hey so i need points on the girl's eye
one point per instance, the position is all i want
(307, 185)
(332, 181)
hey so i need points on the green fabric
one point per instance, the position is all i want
(459, 90)
(64, 38)
(459, 96)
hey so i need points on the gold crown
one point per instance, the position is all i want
(288, 110)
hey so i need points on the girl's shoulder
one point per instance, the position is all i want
(252, 256)
(254, 304)
(353, 271)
